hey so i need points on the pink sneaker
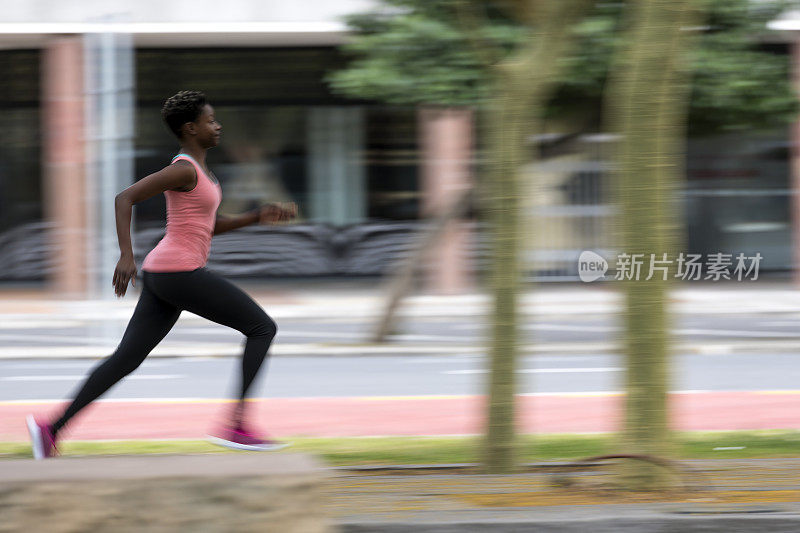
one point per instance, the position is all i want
(43, 441)
(238, 438)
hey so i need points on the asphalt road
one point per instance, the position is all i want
(406, 375)
(398, 373)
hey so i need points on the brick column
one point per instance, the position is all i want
(63, 164)
(446, 136)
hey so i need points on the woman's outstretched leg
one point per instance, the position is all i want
(152, 319)
(211, 296)
(259, 339)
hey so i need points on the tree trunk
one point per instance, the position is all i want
(401, 280)
(648, 106)
(507, 124)
(522, 85)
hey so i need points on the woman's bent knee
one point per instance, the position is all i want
(265, 327)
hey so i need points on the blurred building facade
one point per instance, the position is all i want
(351, 166)
(363, 174)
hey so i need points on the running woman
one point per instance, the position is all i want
(174, 275)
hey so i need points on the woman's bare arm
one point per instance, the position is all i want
(267, 214)
(174, 177)
(226, 223)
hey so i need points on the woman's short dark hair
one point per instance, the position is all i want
(181, 108)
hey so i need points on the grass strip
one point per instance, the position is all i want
(441, 450)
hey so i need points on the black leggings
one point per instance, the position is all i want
(164, 296)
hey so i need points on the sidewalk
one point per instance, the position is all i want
(724, 496)
(363, 301)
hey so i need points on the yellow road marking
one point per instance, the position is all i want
(610, 394)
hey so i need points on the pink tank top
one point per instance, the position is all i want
(190, 224)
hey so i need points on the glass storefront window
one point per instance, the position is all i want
(20, 139)
(392, 162)
(738, 196)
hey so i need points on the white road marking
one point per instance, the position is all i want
(423, 338)
(43, 337)
(35, 324)
(539, 371)
(567, 370)
(75, 378)
(435, 360)
(542, 327)
(737, 333)
(680, 331)
(567, 357)
(223, 331)
(569, 327)
(49, 365)
(781, 323)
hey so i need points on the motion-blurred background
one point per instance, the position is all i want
(83, 82)
(502, 138)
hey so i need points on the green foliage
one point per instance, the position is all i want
(739, 82)
(416, 52)
(419, 55)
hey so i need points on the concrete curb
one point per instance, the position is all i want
(450, 467)
(642, 523)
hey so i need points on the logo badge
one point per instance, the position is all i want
(591, 266)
